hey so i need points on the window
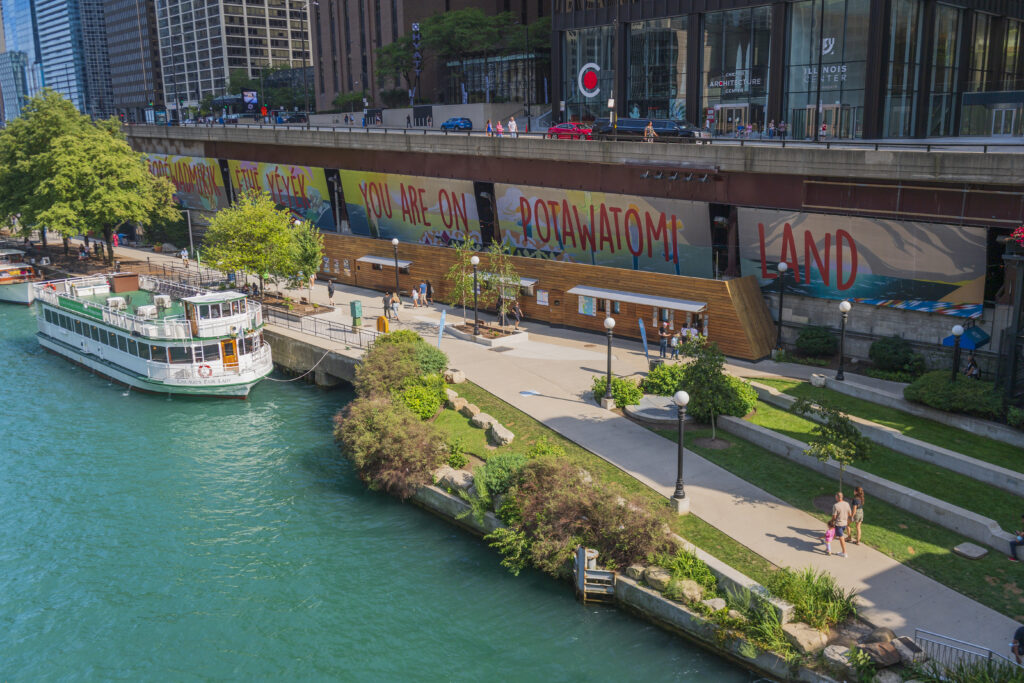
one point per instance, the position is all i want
(376, 266)
(657, 69)
(904, 68)
(122, 343)
(581, 47)
(404, 270)
(945, 49)
(180, 354)
(48, 315)
(133, 347)
(103, 336)
(211, 352)
(95, 332)
(158, 353)
(143, 351)
(735, 78)
(587, 305)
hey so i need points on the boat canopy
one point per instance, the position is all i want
(214, 298)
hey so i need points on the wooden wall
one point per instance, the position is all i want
(738, 319)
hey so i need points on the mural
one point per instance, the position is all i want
(197, 181)
(300, 189)
(918, 266)
(640, 233)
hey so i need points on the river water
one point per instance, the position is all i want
(147, 538)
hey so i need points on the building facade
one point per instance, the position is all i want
(135, 80)
(202, 43)
(21, 71)
(73, 49)
(808, 68)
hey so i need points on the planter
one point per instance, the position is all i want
(818, 380)
(506, 340)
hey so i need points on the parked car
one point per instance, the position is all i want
(457, 123)
(666, 130)
(296, 118)
(570, 131)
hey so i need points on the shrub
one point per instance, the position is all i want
(816, 341)
(735, 397)
(975, 671)
(783, 357)
(967, 396)
(545, 448)
(385, 369)
(430, 360)
(501, 472)
(457, 460)
(421, 400)
(895, 355)
(626, 392)
(816, 598)
(685, 565)
(391, 449)
(664, 380)
(891, 375)
(1015, 417)
(399, 337)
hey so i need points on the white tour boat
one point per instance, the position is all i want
(154, 335)
(16, 277)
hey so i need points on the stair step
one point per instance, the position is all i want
(605, 590)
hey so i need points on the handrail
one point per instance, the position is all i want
(952, 651)
(325, 329)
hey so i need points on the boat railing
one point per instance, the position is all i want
(209, 372)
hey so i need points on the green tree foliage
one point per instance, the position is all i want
(836, 438)
(502, 279)
(421, 400)
(501, 472)
(394, 62)
(460, 276)
(254, 236)
(626, 392)
(817, 342)
(665, 379)
(309, 253)
(712, 391)
(385, 369)
(350, 101)
(429, 359)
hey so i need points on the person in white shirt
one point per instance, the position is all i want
(513, 127)
(184, 257)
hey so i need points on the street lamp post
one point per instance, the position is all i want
(476, 312)
(681, 398)
(783, 267)
(958, 331)
(844, 308)
(394, 243)
(609, 324)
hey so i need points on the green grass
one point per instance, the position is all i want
(929, 431)
(919, 475)
(913, 541)
(528, 431)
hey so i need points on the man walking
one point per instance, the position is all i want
(513, 127)
(664, 334)
(184, 257)
(330, 292)
(841, 513)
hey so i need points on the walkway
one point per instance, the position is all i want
(549, 377)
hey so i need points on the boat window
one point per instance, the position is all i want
(103, 336)
(159, 353)
(95, 333)
(112, 339)
(78, 327)
(251, 343)
(46, 314)
(214, 310)
(180, 354)
(236, 307)
(143, 351)
(211, 352)
(62, 320)
(133, 347)
(122, 343)
(204, 311)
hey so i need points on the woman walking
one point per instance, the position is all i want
(490, 130)
(858, 510)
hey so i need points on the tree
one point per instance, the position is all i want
(836, 438)
(502, 278)
(253, 236)
(394, 61)
(309, 252)
(460, 275)
(706, 380)
(454, 36)
(350, 101)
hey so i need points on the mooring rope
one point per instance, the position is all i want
(303, 374)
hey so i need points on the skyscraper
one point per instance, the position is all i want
(136, 82)
(72, 44)
(21, 73)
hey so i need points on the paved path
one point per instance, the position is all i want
(549, 377)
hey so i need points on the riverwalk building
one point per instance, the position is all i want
(871, 69)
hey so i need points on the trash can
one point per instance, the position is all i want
(356, 309)
(655, 362)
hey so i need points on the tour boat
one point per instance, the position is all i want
(16, 277)
(153, 335)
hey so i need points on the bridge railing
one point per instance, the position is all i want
(319, 327)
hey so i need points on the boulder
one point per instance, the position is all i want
(716, 604)
(169, 248)
(835, 655)
(482, 420)
(451, 395)
(448, 478)
(469, 410)
(806, 639)
(458, 404)
(888, 677)
(882, 654)
(635, 571)
(737, 615)
(500, 435)
(657, 578)
(909, 651)
(453, 376)
(970, 551)
(879, 635)
(691, 590)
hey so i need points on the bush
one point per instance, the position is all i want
(545, 448)
(816, 341)
(421, 400)
(664, 379)
(737, 398)
(894, 355)
(816, 598)
(457, 460)
(685, 565)
(429, 359)
(626, 392)
(1015, 417)
(891, 375)
(501, 472)
(391, 449)
(386, 369)
(967, 396)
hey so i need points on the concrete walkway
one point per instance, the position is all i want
(548, 377)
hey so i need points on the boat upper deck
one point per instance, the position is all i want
(136, 299)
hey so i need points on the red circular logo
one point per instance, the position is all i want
(590, 80)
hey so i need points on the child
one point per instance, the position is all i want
(674, 344)
(830, 533)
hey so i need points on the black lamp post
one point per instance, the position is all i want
(394, 243)
(783, 267)
(476, 311)
(958, 331)
(681, 398)
(844, 308)
(609, 324)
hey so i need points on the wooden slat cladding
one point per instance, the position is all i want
(738, 318)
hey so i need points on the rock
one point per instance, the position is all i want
(879, 635)
(716, 604)
(806, 639)
(453, 376)
(458, 404)
(657, 578)
(691, 590)
(452, 395)
(500, 435)
(845, 640)
(482, 420)
(909, 651)
(970, 551)
(835, 655)
(469, 410)
(448, 478)
(882, 654)
(888, 677)
(635, 571)
(169, 248)
(818, 380)
(737, 615)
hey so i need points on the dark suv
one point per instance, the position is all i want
(666, 130)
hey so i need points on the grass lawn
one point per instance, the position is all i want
(993, 581)
(929, 479)
(929, 431)
(529, 431)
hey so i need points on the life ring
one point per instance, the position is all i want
(205, 371)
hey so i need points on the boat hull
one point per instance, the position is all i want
(17, 293)
(116, 373)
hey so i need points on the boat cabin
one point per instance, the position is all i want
(9, 256)
(217, 314)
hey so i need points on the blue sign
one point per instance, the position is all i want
(643, 336)
(440, 328)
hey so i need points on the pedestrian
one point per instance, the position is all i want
(1017, 646)
(830, 534)
(771, 129)
(649, 133)
(858, 510)
(423, 293)
(415, 294)
(1018, 541)
(517, 312)
(490, 130)
(972, 370)
(396, 302)
(513, 127)
(430, 122)
(330, 291)
(184, 256)
(408, 121)
(674, 345)
(500, 128)
(841, 514)
(782, 130)
(387, 305)
(664, 333)
(430, 292)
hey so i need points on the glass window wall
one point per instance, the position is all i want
(735, 76)
(979, 74)
(904, 69)
(588, 68)
(942, 93)
(657, 69)
(1013, 59)
(834, 32)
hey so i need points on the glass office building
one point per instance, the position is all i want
(21, 70)
(811, 68)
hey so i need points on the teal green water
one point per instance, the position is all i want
(143, 538)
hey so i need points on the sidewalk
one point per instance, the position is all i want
(549, 376)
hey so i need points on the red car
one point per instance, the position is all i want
(570, 131)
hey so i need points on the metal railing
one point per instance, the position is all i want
(948, 652)
(319, 327)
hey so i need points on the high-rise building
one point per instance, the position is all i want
(72, 43)
(202, 43)
(21, 73)
(135, 80)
